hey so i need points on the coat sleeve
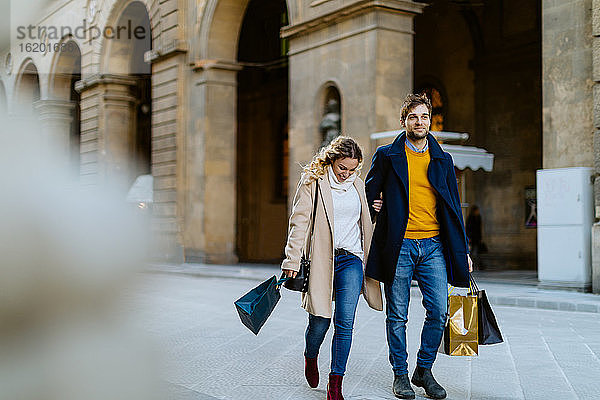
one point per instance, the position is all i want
(298, 226)
(453, 187)
(374, 181)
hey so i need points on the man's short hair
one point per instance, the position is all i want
(411, 101)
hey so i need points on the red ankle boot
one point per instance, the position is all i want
(334, 388)
(311, 371)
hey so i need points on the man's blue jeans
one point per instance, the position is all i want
(347, 283)
(422, 259)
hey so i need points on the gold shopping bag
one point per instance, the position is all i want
(460, 333)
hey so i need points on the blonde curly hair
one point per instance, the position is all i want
(340, 147)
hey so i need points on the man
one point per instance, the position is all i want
(419, 234)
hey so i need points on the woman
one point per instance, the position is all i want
(340, 242)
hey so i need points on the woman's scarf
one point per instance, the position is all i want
(336, 184)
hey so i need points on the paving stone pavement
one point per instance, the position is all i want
(507, 288)
(209, 354)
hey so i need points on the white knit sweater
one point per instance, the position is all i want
(346, 214)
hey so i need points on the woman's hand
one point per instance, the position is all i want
(290, 273)
(470, 263)
(377, 204)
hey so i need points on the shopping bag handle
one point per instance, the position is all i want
(473, 288)
(282, 280)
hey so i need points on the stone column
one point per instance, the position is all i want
(567, 99)
(570, 103)
(210, 221)
(111, 138)
(364, 49)
(55, 118)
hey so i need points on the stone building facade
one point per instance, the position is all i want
(221, 102)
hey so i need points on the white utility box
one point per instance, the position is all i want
(565, 214)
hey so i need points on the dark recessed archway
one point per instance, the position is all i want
(262, 144)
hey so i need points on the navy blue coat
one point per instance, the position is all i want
(389, 175)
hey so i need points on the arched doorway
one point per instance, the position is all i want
(262, 133)
(128, 76)
(65, 100)
(28, 89)
(482, 58)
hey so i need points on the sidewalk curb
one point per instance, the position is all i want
(528, 302)
(261, 272)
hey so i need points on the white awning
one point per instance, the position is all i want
(470, 157)
(464, 156)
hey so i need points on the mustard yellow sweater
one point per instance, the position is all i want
(422, 219)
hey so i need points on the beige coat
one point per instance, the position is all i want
(319, 297)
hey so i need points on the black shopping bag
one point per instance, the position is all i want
(489, 331)
(255, 306)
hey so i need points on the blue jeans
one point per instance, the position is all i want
(422, 259)
(347, 283)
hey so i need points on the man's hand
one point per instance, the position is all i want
(470, 263)
(289, 273)
(377, 204)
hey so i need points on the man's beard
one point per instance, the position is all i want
(416, 136)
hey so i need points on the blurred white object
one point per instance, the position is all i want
(142, 190)
(68, 260)
(470, 157)
(463, 156)
(565, 214)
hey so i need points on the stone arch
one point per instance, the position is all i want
(220, 28)
(324, 92)
(27, 87)
(123, 86)
(108, 14)
(119, 54)
(65, 65)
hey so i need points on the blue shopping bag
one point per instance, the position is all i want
(255, 306)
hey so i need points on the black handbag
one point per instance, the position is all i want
(300, 282)
(489, 331)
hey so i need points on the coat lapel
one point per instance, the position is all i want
(398, 159)
(327, 199)
(365, 216)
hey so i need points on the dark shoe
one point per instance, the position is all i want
(334, 387)
(311, 371)
(424, 378)
(402, 388)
